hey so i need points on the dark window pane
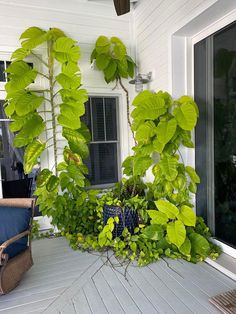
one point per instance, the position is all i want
(224, 134)
(2, 69)
(215, 133)
(110, 114)
(98, 119)
(103, 163)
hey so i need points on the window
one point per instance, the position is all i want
(215, 93)
(101, 117)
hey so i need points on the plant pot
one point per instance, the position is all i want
(127, 218)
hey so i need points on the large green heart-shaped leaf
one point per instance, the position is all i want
(166, 130)
(187, 216)
(153, 232)
(199, 244)
(142, 96)
(150, 108)
(19, 54)
(27, 102)
(168, 166)
(76, 142)
(32, 153)
(70, 68)
(185, 248)
(141, 165)
(102, 44)
(110, 71)
(145, 131)
(79, 95)
(68, 81)
(188, 99)
(21, 75)
(102, 61)
(32, 128)
(169, 209)
(65, 50)
(186, 116)
(158, 217)
(76, 174)
(69, 118)
(19, 122)
(33, 37)
(176, 232)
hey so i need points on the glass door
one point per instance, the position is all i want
(215, 93)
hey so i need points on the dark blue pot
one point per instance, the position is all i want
(127, 218)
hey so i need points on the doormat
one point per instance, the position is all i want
(225, 302)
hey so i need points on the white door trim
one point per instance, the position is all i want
(181, 61)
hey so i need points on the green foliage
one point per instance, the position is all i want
(110, 55)
(111, 58)
(55, 190)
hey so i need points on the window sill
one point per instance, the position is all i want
(225, 264)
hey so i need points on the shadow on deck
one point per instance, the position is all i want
(67, 281)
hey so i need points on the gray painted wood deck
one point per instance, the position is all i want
(69, 282)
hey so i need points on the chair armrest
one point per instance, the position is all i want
(5, 244)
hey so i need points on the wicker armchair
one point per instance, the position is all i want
(15, 247)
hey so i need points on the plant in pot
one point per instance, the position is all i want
(161, 126)
(55, 111)
(125, 201)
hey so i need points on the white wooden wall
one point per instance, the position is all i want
(155, 21)
(84, 21)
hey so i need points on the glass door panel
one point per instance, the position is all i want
(215, 93)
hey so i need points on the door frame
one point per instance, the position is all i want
(181, 63)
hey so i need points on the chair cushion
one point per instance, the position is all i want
(12, 222)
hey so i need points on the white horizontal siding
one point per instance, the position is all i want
(83, 21)
(154, 22)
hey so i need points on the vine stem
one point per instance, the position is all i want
(51, 94)
(40, 59)
(128, 108)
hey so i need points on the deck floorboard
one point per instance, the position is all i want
(71, 282)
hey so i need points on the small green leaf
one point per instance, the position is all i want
(153, 232)
(43, 177)
(192, 173)
(52, 183)
(32, 153)
(110, 71)
(186, 116)
(176, 232)
(167, 208)
(187, 216)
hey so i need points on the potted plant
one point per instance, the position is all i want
(124, 202)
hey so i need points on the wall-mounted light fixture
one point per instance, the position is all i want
(141, 79)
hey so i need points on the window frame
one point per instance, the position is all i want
(118, 141)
